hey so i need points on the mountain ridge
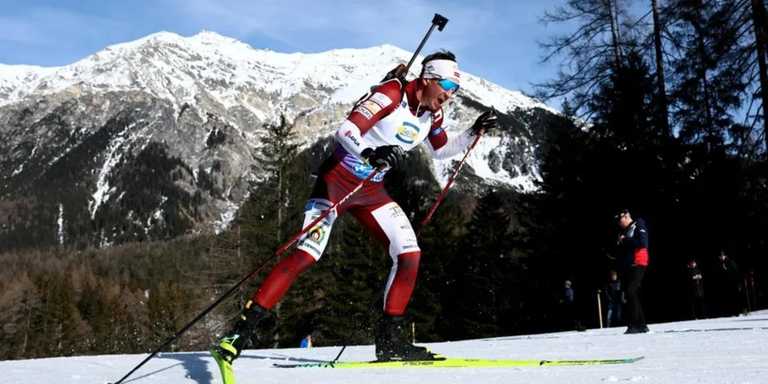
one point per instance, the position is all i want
(293, 66)
(181, 91)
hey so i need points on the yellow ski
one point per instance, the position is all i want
(459, 363)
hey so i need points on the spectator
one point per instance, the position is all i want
(306, 342)
(569, 308)
(614, 299)
(727, 279)
(696, 290)
(750, 285)
(633, 260)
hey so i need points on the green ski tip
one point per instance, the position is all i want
(227, 375)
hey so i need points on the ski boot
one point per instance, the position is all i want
(233, 342)
(636, 329)
(392, 342)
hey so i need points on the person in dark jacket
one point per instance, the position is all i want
(570, 310)
(728, 286)
(615, 299)
(696, 290)
(752, 290)
(633, 260)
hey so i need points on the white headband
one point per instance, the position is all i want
(441, 69)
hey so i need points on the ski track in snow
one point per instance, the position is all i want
(724, 350)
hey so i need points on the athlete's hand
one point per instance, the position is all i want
(398, 73)
(385, 156)
(486, 122)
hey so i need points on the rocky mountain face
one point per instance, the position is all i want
(158, 137)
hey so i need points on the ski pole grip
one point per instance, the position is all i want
(440, 21)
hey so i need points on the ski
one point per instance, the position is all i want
(227, 375)
(459, 363)
(714, 329)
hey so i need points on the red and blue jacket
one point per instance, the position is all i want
(634, 245)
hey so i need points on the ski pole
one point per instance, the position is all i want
(323, 215)
(247, 277)
(195, 320)
(443, 193)
(438, 21)
(746, 292)
(339, 355)
(401, 70)
(599, 310)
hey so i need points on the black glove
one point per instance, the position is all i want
(386, 156)
(398, 72)
(486, 122)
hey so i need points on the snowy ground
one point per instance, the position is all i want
(725, 350)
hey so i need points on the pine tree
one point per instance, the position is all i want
(68, 329)
(662, 104)
(706, 87)
(588, 53)
(483, 271)
(760, 26)
(19, 301)
(354, 272)
(440, 242)
(263, 220)
(623, 105)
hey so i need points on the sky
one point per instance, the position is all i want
(497, 40)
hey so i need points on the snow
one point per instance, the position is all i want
(32, 154)
(116, 150)
(113, 158)
(18, 169)
(227, 215)
(724, 350)
(478, 160)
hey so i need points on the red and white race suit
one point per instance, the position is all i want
(386, 116)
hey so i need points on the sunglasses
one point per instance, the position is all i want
(448, 86)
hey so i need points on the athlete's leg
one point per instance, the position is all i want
(309, 250)
(390, 225)
(392, 228)
(334, 184)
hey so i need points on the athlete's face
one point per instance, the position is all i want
(434, 94)
(625, 220)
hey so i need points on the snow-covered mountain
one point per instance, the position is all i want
(716, 351)
(197, 105)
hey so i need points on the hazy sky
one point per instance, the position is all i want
(492, 39)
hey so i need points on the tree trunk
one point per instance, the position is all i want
(758, 20)
(611, 6)
(280, 207)
(662, 109)
(27, 330)
(703, 60)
